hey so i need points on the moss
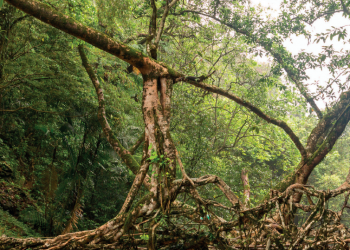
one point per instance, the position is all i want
(172, 72)
(131, 51)
(132, 163)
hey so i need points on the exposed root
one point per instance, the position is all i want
(146, 225)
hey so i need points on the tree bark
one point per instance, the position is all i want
(246, 188)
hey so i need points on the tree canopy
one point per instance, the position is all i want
(158, 124)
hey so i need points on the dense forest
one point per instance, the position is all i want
(173, 124)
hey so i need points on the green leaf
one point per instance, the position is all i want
(255, 128)
(100, 79)
(1, 3)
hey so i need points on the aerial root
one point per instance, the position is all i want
(200, 226)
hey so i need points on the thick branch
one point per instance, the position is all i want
(112, 139)
(153, 21)
(320, 142)
(63, 22)
(207, 179)
(319, 133)
(251, 107)
(326, 145)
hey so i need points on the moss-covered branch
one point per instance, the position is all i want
(98, 39)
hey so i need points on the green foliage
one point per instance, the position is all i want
(162, 219)
(144, 237)
(33, 217)
(52, 143)
(14, 197)
(158, 159)
(11, 227)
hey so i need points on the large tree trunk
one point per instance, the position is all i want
(158, 153)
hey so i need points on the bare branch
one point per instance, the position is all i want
(286, 66)
(162, 22)
(251, 107)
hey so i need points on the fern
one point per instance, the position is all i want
(11, 227)
(32, 216)
(76, 213)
